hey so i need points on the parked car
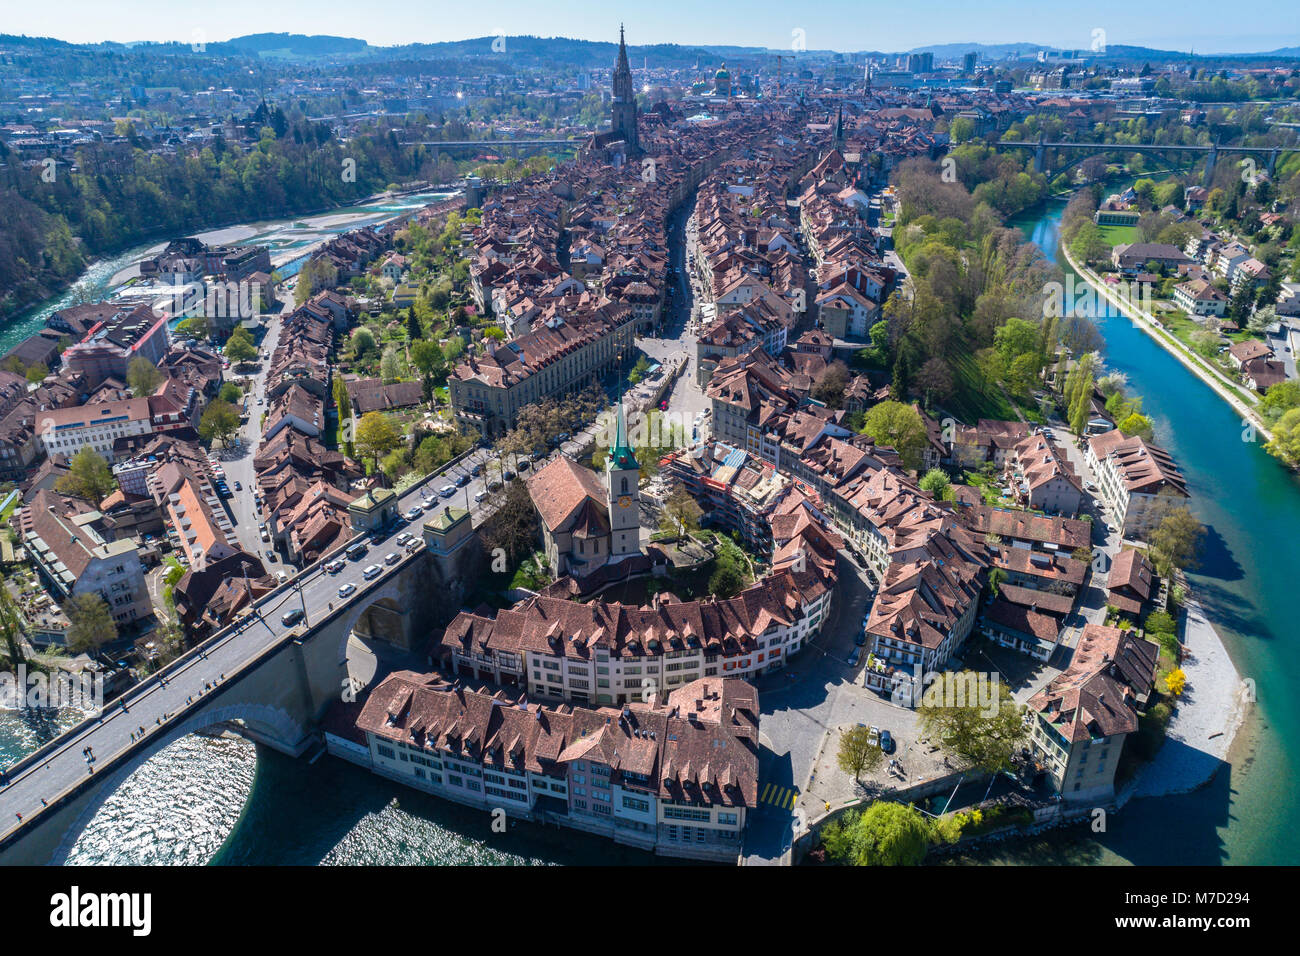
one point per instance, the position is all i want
(462, 481)
(238, 486)
(372, 571)
(335, 566)
(346, 589)
(478, 498)
(853, 658)
(860, 639)
(494, 485)
(447, 491)
(290, 618)
(412, 514)
(281, 577)
(392, 557)
(524, 464)
(887, 742)
(508, 475)
(873, 735)
(266, 535)
(477, 469)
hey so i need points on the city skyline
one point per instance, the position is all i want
(837, 26)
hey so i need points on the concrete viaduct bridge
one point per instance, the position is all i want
(269, 682)
(1267, 154)
(516, 147)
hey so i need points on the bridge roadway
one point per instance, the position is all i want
(151, 704)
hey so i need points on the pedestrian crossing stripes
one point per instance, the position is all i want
(778, 796)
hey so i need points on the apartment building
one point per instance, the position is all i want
(675, 773)
(73, 557)
(1083, 716)
(1138, 481)
(564, 355)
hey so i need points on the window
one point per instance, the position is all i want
(632, 803)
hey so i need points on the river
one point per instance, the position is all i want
(1250, 505)
(222, 800)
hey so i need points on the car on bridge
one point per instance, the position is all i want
(392, 557)
(335, 566)
(404, 537)
(357, 551)
(290, 618)
(372, 571)
(412, 514)
(346, 589)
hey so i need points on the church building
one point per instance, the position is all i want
(588, 522)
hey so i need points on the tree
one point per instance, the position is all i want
(1280, 399)
(898, 426)
(220, 422)
(88, 477)
(1285, 443)
(392, 366)
(1137, 424)
(681, 512)
(858, 753)
(936, 482)
(1160, 622)
(728, 577)
(363, 343)
(376, 436)
(11, 624)
(1175, 681)
(1176, 541)
(230, 393)
(90, 624)
(981, 733)
(886, 834)
(413, 330)
(37, 373)
(428, 358)
(639, 370)
(341, 399)
(513, 525)
(240, 347)
(830, 385)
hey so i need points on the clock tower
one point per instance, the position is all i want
(622, 474)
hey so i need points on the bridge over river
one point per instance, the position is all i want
(269, 681)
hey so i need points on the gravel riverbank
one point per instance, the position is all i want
(1206, 720)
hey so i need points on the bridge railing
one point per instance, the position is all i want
(233, 629)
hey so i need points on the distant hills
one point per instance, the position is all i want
(587, 53)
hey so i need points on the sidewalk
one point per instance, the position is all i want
(1153, 327)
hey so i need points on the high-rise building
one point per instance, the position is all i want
(623, 111)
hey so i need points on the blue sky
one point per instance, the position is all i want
(844, 25)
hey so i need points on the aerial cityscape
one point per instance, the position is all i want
(642, 446)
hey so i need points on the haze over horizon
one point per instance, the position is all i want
(838, 25)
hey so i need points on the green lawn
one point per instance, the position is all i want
(972, 399)
(1119, 235)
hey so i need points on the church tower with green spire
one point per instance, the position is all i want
(622, 476)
